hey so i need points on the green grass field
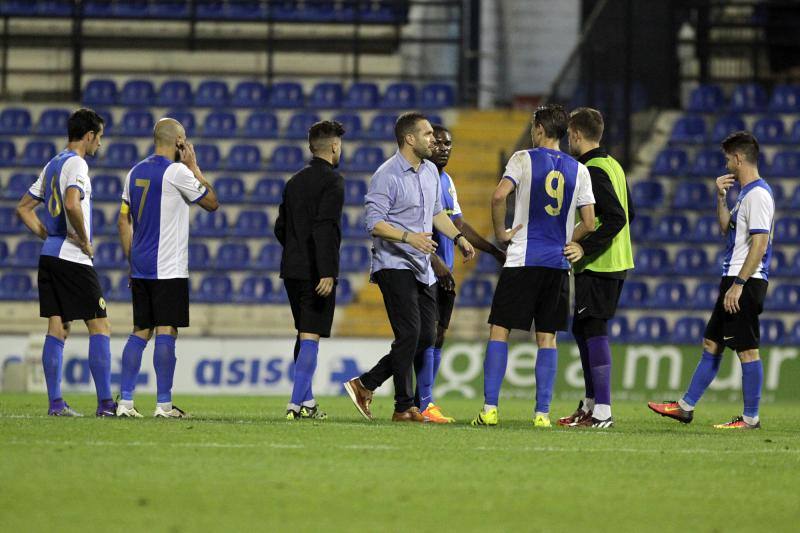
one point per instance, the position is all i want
(238, 466)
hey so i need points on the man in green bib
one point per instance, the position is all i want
(600, 262)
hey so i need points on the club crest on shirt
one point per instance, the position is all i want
(102, 303)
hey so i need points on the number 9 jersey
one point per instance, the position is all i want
(549, 185)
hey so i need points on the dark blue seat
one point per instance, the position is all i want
(670, 162)
(52, 122)
(98, 9)
(174, 93)
(3, 253)
(207, 156)
(269, 257)
(37, 153)
(100, 92)
(399, 95)
(121, 292)
(286, 159)
(246, 157)
(267, 191)
(186, 118)
(692, 195)
(246, 10)
(381, 128)
(108, 121)
(779, 196)
(705, 296)
(794, 201)
(618, 329)
(109, 255)
(670, 295)
(688, 330)
(487, 264)
(213, 224)
(772, 331)
(169, 9)
(326, 95)
(261, 125)
(476, 293)
(106, 285)
(344, 292)
(8, 153)
(362, 95)
(18, 185)
(769, 130)
(131, 9)
(715, 266)
(219, 125)
(725, 126)
(9, 222)
(641, 227)
(785, 99)
(649, 329)
(15, 121)
(106, 188)
(785, 164)
(299, 125)
(647, 194)
(365, 159)
(383, 12)
(354, 228)
(794, 266)
(354, 258)
(101, 225)
(688, 130)
(354, 191)
(137, 124)
(651, 261)
(706, 99)
(634, 295)
(706, 229)
(232, 256)
(352, 125)
(210, 10)
(212, 93)
(137, 93)
(214, 288)
(199, 256)
(749, 98)
(690, 261)
(779, 265)
(26, 254)
(787, 230)
(230, 189)
(437, 96)
(120, 155)
(708, 163)
(793, 338)
(254, 289)
(670, 228)
(249, 94)
(16, 286)
(784, 297)
(251, 224)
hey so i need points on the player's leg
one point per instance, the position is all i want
(599, 352)
(316, 322)
(164, 363)
(444, 303)
(170, 308)
(131, 365)
(586, 405)
(545, 372)
(429, 315)
(100, 364)
(52, 361)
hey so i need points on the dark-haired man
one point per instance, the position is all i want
(403, 206)
(68, 285)
(308, 227)
(533, 288)
(745, 269)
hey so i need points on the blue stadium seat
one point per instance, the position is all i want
(100, 92)
(212, 93)
(121, 292)
(708, 163)
(487, 264)
(249, 94)
(215, 288)
(354, 191)
(779, 195)
(381, 128)
(261, 125)
(706, 229)
(354, 258)
(199, 256)
(101, 225)
(186, 118)
(692, 195)
(174, 93)
(286, 159)
(649, 329)
(653, 261)
(365, 159)
(793, 339)
(299, 125)
(286, 95)
(7, 153)
(230, 189)
(267, 191)
(779, 265)
(109, 255)
(794, 266)
(137, 124)
(399, 95)
(16, 286)
(269, 257)
(170, 9)
(769, 130)
(670, 295)
(794, 136)
(213, 224)
(725, 126)
(688, 330)
(246, 157)
(137, 93)
(670, 162)
(15, 121)
(749, 98)
(772, 331)
(210, 10)
(476, 293)
(787, 230)
(354, 228)
(641, 227)
(794, 201)
(705, 296)
(647, 194)
(618, 329)
(52, 122)
(706, 99)
(26, 254)
(97, 8)
(785, 164)
(37, 154)
(361, 95)
(784, 297)
(326, 95)
(106, 285)
(3, 253)
(785, 99)
(670, 228)
(232, 256)
(634, 295)
(131, 9)
(9, 222)
(246, 10)
(435, 119)
(715, 266)
(106, 188)
(120, 155)
(251, 224)
(108, 121)
(437, 96)
(352, 125)
(254, 289)
(688, 130)
(383, 11)
(18, 184)
(219, 125)
(207, 156)
(689, 261)
(344, 292)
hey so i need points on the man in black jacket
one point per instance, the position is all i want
(308, 228)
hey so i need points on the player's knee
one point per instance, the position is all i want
(58, 329)
(748, 356)
(545, 339)
(99, 326)
(169, 330)
(498, 333)
(712, 347)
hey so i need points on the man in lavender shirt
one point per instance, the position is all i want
(403, 206)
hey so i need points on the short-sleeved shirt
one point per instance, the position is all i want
(408, 200)
(446, 248)
(550, 186)
(65, 171)
(753, 213)
(159, 192)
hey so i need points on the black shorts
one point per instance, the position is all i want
(738, 331)
(69, 290)
(312, 313)
(160, 302)
(525, 295)
(445, 301)
(596, 296)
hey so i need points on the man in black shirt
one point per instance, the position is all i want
(308, 227)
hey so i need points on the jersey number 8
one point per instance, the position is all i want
(54, 205)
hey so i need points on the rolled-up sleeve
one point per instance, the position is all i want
(379, 199)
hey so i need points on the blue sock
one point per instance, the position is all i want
(583, 349)
(494, 370)
(52, 358)
(304, 369)
(425, 379)
(599, 352)
(752, 378)
(164, 365)
(704, 374)
(100, 365)
(437, 360)
(131, 363)
(545, 371)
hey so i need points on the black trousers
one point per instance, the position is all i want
(412, 311)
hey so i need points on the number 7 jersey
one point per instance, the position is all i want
(550, 185)
(158, 192)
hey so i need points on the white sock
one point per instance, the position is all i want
(685, 406)
(752, 420)
(292, 407)
(127, 404)
(602, 411)
(588, 404)
(166, 406)
(309, 403)
(538, 413)
(487, 407)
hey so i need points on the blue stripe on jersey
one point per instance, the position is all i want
(730, 240)
(55, 216)
(144, 189)
(446, 248)
(547, 215)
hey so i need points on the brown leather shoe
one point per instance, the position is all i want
(411, 414)
(360, 395)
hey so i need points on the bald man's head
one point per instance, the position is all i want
(168, 132)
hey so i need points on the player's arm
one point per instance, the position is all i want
(208, 200)
(499, 200)
(574, 251)
(125, 228)
(723, 213)
(74, 211)
(442, 273)
(445, 226)
(476, 240)
(325, 232)
(25, 211)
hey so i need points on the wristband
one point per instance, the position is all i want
(404, 237)
(739, 281)
(455, 239)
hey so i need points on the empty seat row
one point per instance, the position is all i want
(690, 330)
(675, 295)
(711, 163)
(699, 195)
(695, 262)
(253, 94)
(768, 130)
(677, 229)
(745, 98)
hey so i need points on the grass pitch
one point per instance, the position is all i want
(238, 466)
